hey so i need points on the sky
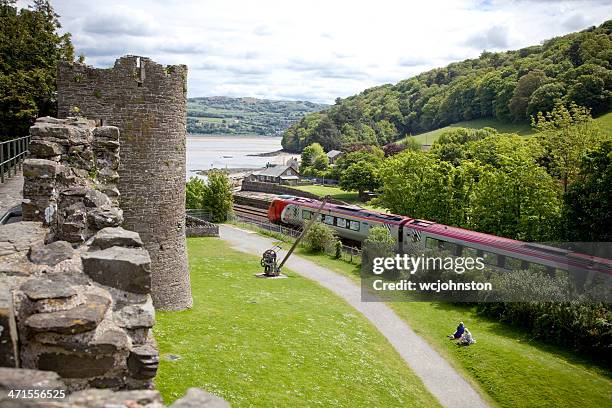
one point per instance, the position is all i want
(312, 50)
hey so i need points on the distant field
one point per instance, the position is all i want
(432, 136)
(605, 122)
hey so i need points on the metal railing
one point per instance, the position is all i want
(349, 253)
(12, 154)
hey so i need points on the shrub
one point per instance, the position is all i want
(194, 192)
(580, 324)
(379, 243)
(215, 196)
(319, 238)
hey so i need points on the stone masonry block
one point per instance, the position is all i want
(127, 269)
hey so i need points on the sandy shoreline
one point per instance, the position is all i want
(278, 157)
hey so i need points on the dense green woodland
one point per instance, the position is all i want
(509, 86)
(221, 115)
(30, 49)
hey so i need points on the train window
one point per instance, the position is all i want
(431, 243)
(543, 269)
(450, 247)
(470, 252)
(489, 258)
(328, 219)
(354, 225)
(306, 214)
(513, 264)
(341, 222)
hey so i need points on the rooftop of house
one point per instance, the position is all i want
(274, 171)
(333, 153)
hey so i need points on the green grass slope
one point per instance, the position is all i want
(512, 368)
(275, 343)
(604, 121)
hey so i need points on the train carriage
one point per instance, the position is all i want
(354, 223)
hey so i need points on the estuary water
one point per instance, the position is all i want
(231, 152)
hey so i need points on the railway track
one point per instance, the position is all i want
(251, 212)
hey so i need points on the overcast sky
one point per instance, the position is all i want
(312, 50)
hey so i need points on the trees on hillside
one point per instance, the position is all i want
(491, 184)
(588, 201)
(518, 200)
(566, 135)
(509, 86)
(30, 48)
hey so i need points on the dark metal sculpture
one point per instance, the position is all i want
(268, 259)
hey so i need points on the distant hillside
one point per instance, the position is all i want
(604, 122)
(245, 116)
(506, 87)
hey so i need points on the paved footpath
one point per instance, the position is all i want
(11, 192)
(435, 372)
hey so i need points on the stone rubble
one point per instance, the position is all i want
(75, 287)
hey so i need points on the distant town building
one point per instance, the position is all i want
(276, 174)
(293, 162)
(332, 155)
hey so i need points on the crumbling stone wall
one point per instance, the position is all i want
(53, 386)
(147, 102)
(75, 286)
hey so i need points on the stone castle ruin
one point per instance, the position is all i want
(101, 242)
(147, 103)
(75, 285)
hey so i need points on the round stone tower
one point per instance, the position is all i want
(147, 102)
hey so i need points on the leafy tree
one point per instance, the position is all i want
(567, 134)
(411, 143)
(319, 238)
(392, 149)
(369, 154)
(590, 90)
(497, 150)
(378, 243)
(314, 161)
(545, 98)
(310, 154)
(217, 197)
(417, 185)
(451, 146)
(525, 87)
(588, 202)
(519, 200)
(194, 193)
(361, 176)
(30, 49)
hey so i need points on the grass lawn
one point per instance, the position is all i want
(337, 193)
(604, 121)
(513, 369)
(282, 343)
(433, 135)
(334, 192)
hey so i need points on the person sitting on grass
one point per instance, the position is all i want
(466, 339)
(458, 332)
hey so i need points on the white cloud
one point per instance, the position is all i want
(316, 50)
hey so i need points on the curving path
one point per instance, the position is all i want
(437, 375)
